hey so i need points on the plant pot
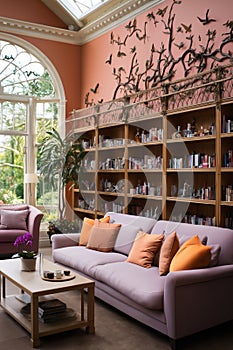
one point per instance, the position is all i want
(28, 264)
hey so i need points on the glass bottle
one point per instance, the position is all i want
(137, 136)
(177, 133)
(189, 131)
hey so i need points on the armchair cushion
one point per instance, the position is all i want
(14, 219)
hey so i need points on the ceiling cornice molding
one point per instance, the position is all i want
(115, 17)
(105, 22)
(13, 26)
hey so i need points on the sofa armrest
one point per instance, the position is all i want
(195, 300)
(33, 222)
(64, 240)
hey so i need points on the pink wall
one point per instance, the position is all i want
(95, 53)
(30, 10)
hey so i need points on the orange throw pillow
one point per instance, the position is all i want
(86, 229)
(168, 250)
(144, 248)
(191, 255)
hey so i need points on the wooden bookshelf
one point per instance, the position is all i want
(136, 175)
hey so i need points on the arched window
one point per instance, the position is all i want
(32, 101)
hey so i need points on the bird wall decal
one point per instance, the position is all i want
(161, 12)
(187, 29)
(161, 62)
(94, 90)
(206, 20)
(109, 60)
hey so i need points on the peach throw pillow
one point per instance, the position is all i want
(191, 255)
(86, 229)
(144, 248)
(103, 236)
(168, 250)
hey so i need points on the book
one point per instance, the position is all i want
(68, 314)
(51, 306)
(46, 307)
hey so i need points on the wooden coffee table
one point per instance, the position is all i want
(32, 284)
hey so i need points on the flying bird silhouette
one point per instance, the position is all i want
(206, 20)
(109, 61)
(187, 29)
(161, 12)
(95, 88)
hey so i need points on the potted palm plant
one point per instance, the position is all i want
(60, 162)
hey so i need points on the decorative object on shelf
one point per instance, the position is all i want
(28, 257)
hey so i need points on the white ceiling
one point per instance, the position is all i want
(77, 14)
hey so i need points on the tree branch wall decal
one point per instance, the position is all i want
(163, 61)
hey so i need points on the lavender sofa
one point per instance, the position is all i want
(15, 221)
(178, 304)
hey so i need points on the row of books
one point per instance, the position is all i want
(194, 160)
(51, 310)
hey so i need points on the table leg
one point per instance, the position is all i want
(34, 321)
(90, 310)
(82, 305)
(3, 286)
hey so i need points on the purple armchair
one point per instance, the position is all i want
(15, 221)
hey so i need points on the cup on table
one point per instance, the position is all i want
(58, 274)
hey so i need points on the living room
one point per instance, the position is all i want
(164, 71)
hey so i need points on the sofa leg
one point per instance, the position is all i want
(174, 344)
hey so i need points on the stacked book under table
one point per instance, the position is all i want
(51, 310)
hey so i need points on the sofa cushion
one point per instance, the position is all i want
(14, 219)
(125, 238)
(191, 255)
(146, 224)
(168, 250)
(186, 236)
(144, 286)
(86, 229)
(215, 250)
(83, 259)
(144, 248)
(103, 236)
(216, 235)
